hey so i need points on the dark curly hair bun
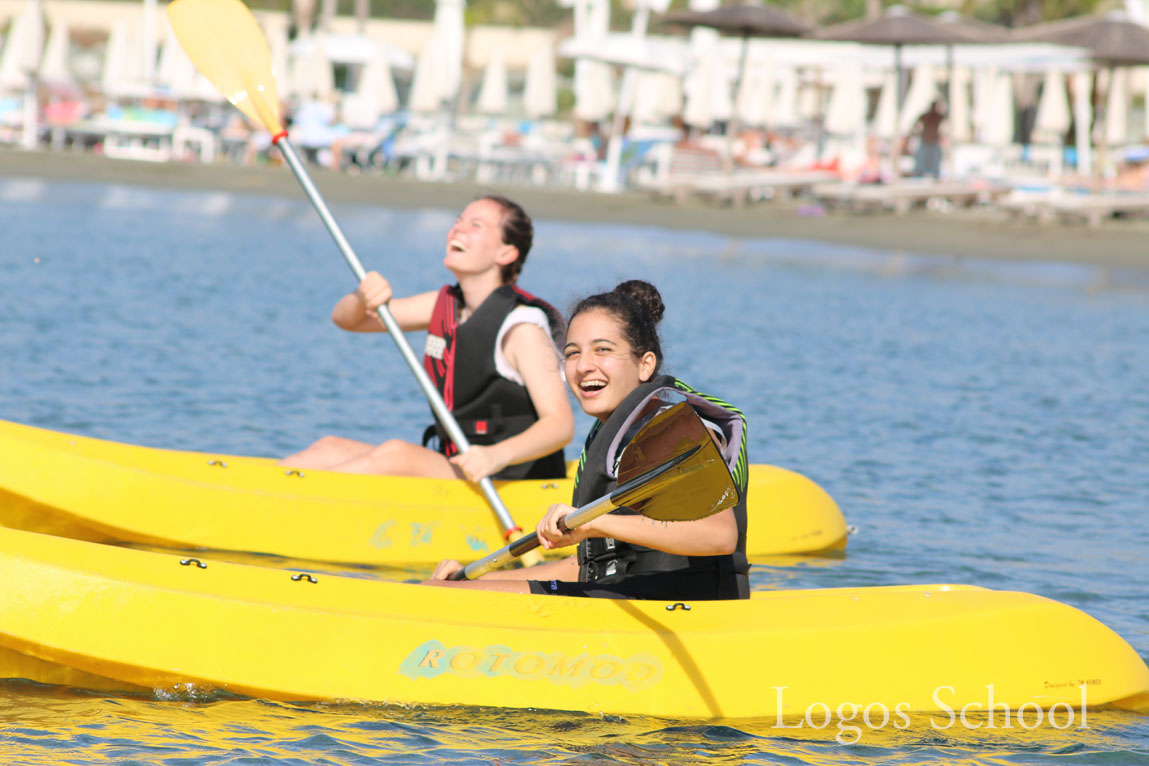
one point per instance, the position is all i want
(638, 308)
(645, 295)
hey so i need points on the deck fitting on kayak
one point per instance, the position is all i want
(301, 576)
(219, 463)
(294, 472)
(189, 562)
(678, 605)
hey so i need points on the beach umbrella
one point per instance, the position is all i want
(175, 71)
(885, 123)
(755, 95)
(784, 111)
(959, 106)
(703, 78)
(846, 113)
(427, 85)
(55, 68)
(1053, 118)
(125, 74)
(1117, 107)
(983, 83)
(23, 48)
(898, 27)
(593, 82)
(594, 91)
(19, 66)
(998, 131)
(745, 21)
(540, 94)
(374, 94)
(1083, 119)
(448, 31)
(706, 93)
(312, 74)
(493, 91)
(280, 49)
(658, 97)
(178, 74)
(1113, 41)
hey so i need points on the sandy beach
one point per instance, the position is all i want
(962, 233)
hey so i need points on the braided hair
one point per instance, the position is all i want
(517, 231)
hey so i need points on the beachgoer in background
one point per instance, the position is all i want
(612, 357)
(928, 161)
(315, 126)
(490, 351)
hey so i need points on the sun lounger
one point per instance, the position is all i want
(901, 196)
(699, 171)
(1092, 208)
(741, 185)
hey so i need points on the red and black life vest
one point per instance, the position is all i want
(607, 560)
(460, 358)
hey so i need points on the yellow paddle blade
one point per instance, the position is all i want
(225, 43)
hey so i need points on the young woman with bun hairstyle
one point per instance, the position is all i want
(491, 351)
(612, 358)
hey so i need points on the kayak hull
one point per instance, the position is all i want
(103, 491)
(155, 621)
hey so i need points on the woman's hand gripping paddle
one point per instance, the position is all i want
(225, 43)
(670, 471)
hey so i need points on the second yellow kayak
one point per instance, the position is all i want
(104, 491)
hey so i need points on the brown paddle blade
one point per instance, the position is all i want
(671, 433)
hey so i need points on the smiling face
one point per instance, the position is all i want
(475, 241)
(601, 367)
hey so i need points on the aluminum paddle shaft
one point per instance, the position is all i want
(438, 406)
(656, 479)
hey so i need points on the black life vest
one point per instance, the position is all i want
(607, 560)
(460, 358)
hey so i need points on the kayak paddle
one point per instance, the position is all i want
(225, 43)
(674, 451)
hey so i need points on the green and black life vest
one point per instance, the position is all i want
(607, 560)
(460, 358)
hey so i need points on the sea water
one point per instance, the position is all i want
(978, 422)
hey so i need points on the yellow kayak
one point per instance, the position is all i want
(123, 618)
(103, 491)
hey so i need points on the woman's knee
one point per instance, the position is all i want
(392, 456)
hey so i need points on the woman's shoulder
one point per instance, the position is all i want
(525, 315)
